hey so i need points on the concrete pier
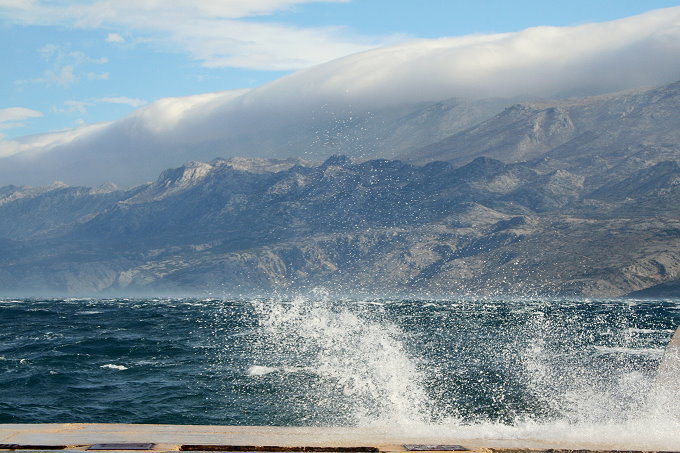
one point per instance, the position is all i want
(76, 437)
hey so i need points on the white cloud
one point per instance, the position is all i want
(72, 106)
(63, 76)
(14, 117)
(10, 125)
(64, 64)
(37, 145)
(124, 100)
(48, 50)
(264, 46)
(97, 76)
(15, 3)
(538, 62)
(115, 38)
(208, 30)
(75, 106)
(18, 114)
(61, 55)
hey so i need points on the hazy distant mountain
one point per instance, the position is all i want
(380, 226)
(578, 196)
(623, 131)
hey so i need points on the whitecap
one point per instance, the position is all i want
(656, 352)
(648, 331)
(260, 370)
(114, 367)
(362, 359)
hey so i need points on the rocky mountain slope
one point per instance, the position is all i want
(599, 137)
(565, 197)
(379, 227)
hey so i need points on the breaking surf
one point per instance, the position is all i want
(554, 369)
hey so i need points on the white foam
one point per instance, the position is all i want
(636, 434)
(648, 331)
(362, 360)
(586, 400)
(260, 370)
(653, 352)
(114, 367)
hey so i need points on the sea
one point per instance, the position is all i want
(542, 368)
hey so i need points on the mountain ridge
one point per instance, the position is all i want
(575, 197)
(484, 228)
(568, 130)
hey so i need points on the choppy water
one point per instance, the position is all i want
(488, 368)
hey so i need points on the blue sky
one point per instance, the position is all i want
(67, 63)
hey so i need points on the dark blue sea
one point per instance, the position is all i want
(483, 367)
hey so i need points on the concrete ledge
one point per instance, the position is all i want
(78, 437)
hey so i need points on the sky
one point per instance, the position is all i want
(72, 63)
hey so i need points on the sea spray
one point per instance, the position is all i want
(590, 367)
(664, 394)
(553, 370)
(565, 371)
(357, 360)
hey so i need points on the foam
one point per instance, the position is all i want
(584, 397)
(112, 366)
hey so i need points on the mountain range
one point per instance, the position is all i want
(576, 196)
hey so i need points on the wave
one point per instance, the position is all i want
(522, 373)
(114, 367)
(653, 352)
(562, 371)
(360, 364)
(259, 370)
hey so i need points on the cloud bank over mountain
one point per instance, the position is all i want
(536, 63)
